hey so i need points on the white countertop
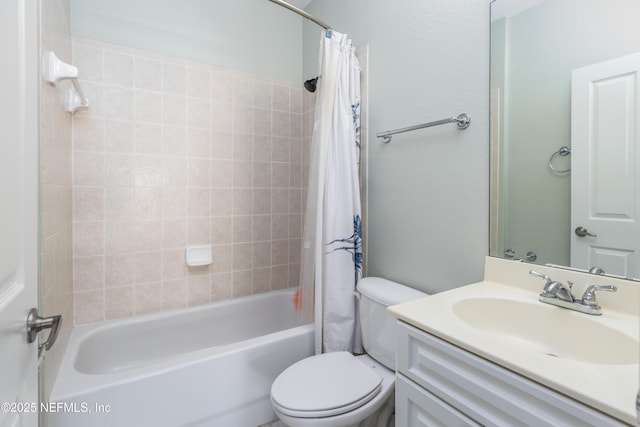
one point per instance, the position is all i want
(608, 387)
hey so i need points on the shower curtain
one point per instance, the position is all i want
(332, 240)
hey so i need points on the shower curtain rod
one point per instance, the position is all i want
(301, 13)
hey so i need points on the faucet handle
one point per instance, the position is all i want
(589, 296)
(543, 276)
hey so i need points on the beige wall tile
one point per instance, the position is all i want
(261, 227)
(118, 69)
(199, 113)
(174, 153)
(88, 204)
(118, 136)
(221, 144)
(199, 289)
(199, 143)
(174, 294)
(119, 270)
(261, 254)
(119, 302)
(148, 106)
(147, 171)
(199, 83)
(118, 170)
(173, 264)
(221, 286)
(148, 267)
(174, 79)
(222, 256)
(119, 203)
(147, 74)
(242, 283)
(221, 173)
(88, 168)
(222, 201)
(242, 256)
(221, 230)
(279, 277)
(173, 138)
(199, 231)
(174, 233)
(261, 280)
(262, 146)
(148, 298)
(88, 307)
(88, 238)
(119, 237)
(174, 110)
(118, 103)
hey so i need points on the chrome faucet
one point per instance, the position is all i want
(559, 294)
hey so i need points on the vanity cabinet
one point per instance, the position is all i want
(439, 384)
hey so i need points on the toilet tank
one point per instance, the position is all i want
(378, 326)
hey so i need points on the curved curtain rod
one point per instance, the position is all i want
(301, 13)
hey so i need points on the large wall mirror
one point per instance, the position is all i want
(565, 133)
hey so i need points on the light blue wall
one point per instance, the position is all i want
(250, 35)
(428, 190)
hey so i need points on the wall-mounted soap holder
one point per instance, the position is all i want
(54, 70)
(198, 255)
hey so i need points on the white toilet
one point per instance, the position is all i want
(339, 389)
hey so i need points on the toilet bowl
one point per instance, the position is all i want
(338, 389)
(339, 400)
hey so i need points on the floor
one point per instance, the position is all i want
(275, 423)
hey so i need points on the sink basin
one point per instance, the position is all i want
(549, 330)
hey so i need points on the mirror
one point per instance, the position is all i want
(535, 45)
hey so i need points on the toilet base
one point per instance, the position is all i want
(382, 417)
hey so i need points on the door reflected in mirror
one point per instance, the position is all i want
(545, 183)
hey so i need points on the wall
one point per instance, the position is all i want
(256, 36)
(538, 102)
(428, 190)
(171, 153)
(55, 184)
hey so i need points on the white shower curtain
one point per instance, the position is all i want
(332, 241)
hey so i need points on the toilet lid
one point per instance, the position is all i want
(325, 385)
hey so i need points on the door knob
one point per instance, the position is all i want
(581, 232)
(35, 324)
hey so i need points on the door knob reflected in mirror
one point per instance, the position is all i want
(582, 232)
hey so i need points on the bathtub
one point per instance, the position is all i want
(211, 365)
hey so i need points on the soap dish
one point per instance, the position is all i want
(198, 255)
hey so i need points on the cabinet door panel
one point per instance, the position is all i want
(416, 407)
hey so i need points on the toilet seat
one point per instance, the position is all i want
(324, 385)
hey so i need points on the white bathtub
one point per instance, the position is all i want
(211, 365)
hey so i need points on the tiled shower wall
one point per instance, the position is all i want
(174, 153)
(55, 192)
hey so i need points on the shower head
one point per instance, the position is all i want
(310, 84)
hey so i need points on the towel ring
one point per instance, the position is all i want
(562, 151)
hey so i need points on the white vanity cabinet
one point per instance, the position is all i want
(439, 384)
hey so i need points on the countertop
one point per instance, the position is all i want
(608, 387)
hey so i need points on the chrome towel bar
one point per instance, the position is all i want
(462, 120)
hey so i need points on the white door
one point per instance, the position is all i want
(605, 166)
(18, 210)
